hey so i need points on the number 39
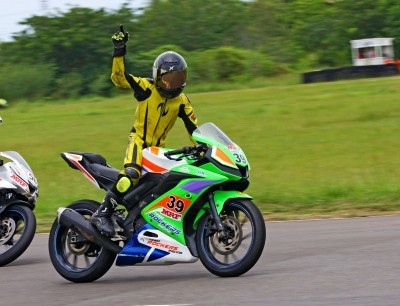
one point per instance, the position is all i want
(239, 158)
(177, 205)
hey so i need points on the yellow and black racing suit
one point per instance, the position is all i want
(154, 116)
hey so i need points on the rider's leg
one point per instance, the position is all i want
(128, 178)
(102, 217)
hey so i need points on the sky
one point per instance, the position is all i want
(14, 11)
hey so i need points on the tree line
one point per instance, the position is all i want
(67, 55)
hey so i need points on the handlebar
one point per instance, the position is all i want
(187, 150)
(184, 150)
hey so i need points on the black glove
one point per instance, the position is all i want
(119, 40)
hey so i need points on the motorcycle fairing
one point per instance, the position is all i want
(168, 210)
(219, 155)
(18, 174)
(6, 185)
(220, 197)
(154, 160)
(93, 166)
(149, 246)
(166, 213)
(74, 160)
(227, 151)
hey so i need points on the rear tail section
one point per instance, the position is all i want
(94, 167)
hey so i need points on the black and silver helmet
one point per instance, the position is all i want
(169, 74)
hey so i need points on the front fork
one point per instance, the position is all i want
(216, 201)
(217, 219)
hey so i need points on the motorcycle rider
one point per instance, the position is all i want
(160, 101)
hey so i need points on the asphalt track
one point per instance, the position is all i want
(318, 262)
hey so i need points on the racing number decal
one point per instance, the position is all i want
(239, 158)
(175, 204)
(172, 206)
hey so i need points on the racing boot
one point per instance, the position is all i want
(102, 217)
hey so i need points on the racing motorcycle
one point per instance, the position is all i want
(188, 205)
(18, 195)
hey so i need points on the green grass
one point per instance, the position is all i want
(316, 150)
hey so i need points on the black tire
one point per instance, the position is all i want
(17, 229)
(75, 258)
(238, 254)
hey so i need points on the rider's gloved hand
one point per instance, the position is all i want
(119, 40)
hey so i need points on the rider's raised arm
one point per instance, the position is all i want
(119, 76)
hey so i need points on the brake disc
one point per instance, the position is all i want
(228, 245)
(76, 243)
(7, 230)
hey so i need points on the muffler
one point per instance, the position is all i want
(72, 219)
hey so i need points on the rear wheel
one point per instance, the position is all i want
(75, 258)
(237, 251)
(17, 229)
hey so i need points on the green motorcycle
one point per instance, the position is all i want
(189, 204)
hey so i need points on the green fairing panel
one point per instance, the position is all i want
(220, 197)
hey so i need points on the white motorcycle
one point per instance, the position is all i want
(18, 195)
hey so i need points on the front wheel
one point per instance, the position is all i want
(237, 250)
(75, 258)
(17, 229)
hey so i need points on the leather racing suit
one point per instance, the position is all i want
(154, 116)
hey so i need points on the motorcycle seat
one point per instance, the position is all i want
(93, 158)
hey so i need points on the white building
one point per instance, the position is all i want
(372, 51)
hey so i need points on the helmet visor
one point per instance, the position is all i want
(172, 80)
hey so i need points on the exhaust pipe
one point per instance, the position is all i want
(72, 219)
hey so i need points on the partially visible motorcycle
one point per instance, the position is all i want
(18, 195)
(188, 205)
